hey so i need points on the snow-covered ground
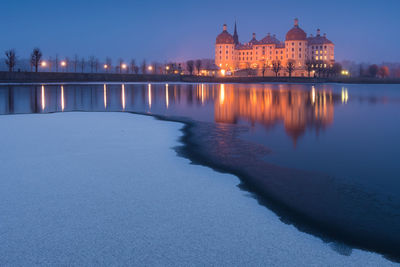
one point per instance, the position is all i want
(107, 189)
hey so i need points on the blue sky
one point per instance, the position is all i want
(365, 31)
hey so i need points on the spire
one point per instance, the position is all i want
(235, 35)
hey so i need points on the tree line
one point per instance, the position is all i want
(82, 64)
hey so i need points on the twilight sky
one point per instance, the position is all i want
(164, 30)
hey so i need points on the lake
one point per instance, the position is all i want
(324, 157)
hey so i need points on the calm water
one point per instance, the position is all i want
(349, 133)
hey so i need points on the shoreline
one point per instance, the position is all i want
(192, 149)
(50, 77)
(97, 199)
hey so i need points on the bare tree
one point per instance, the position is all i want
(56, 62)
(198, 66)
(373, 70)
(309, 67)
(120, 63)
(155, 67)
(96, 64)
(290, 65)
(36, 56)
(383, 71)
(75, 62)
(190, 66)
(92, 62)
(83, 64)
(264, 68)
(108, 64)
(144, 67)
(67, 61)
(276, 67)
(336, 69)
(11, 59)
(133, 65)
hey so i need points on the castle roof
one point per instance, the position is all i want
(269, 40)
(224, 37)
(317, 40)
(296, 33)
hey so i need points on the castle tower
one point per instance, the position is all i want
(236, 36)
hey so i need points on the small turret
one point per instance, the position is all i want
(296, 22)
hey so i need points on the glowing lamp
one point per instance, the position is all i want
(63, 63)
(150, 68)
(43, 64)
(123, 66)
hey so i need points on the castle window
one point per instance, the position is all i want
(312, 47)
(299, 55)
(299, 49)
(226, 58)
(281, 52)
(292, 43)
(281, 57)
(325, 47)
(292, 55)
(292, 49)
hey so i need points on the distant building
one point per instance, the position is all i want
(232, 56)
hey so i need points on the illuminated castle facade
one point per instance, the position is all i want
(300, 50)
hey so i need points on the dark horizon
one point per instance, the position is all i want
(178, 31)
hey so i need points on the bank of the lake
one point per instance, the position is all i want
(64, 77)
(108, 189)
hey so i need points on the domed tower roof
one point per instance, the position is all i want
(296, 33)
(225, 37)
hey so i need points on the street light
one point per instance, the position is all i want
(124, 66)
(63, 63)
(150, 68)
(43, 64)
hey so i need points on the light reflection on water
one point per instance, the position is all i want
(320, 123)
(349, 133)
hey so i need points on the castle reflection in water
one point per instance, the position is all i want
(297, 107)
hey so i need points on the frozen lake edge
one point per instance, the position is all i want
(63, 208)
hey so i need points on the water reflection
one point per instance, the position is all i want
(62, 98)
(43, 99)
(298, 108)
(123, 97)
(105, 96)
(149, 95)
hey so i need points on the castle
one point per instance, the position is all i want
(264, 55)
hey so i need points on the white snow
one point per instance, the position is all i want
(107, 189)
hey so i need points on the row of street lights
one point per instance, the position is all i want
(124, 66)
